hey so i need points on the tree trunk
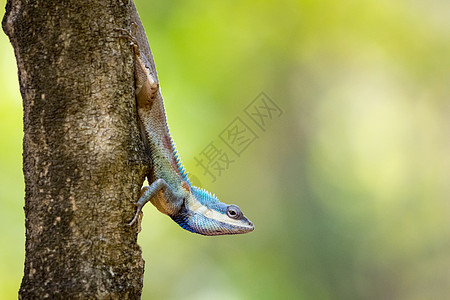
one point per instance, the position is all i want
(83, 157)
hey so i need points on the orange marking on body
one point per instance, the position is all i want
(186, 186)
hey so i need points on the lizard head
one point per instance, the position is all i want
(204, 214)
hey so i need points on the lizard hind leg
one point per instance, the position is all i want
(131, 36)
(146, 85)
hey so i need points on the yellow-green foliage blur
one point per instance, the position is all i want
(348, 186)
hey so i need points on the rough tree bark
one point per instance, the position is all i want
(83, 158)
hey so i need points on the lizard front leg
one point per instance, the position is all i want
(164, 201)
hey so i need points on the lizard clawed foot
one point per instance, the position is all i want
(131, 36)
(137, 217)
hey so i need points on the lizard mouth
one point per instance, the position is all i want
(226, 228)
(250, 227)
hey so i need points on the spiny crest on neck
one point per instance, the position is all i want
(207, 199)
(181, 168)
(204, 193)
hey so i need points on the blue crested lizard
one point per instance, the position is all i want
(171, 192)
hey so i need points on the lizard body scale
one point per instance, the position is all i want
(170, 191)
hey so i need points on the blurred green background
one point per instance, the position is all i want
(348, 188)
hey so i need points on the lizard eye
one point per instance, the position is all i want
(234, 212)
